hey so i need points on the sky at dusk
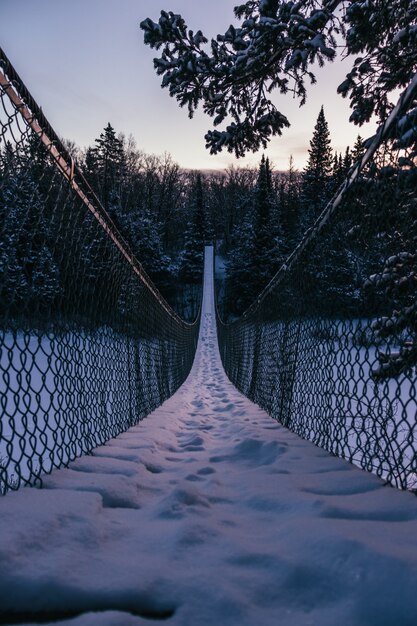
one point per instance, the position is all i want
(85, 63)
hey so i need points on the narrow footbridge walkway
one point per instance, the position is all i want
(209, 513)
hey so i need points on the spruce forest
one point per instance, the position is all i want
(257, 216)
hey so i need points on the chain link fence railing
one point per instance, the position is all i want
(329, 348)
(88, 346)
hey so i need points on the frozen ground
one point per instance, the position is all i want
(209, 513)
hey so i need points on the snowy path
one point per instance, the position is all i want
(209, 513)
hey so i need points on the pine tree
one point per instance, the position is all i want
(29, 275)
(341, 165)
(39, 163)
(396, 280)
(191, 264)
(148, 247)
(357, 150)
(332, 266)
(318, 172)
(257, 246)
(239, 269)
(7, 161)
(190, 271)
(106, 164)
(290, 209)
(347, 161)
(265, 253)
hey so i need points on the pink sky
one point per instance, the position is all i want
(86, 64)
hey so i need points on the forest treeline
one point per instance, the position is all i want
(257, 217)
(164, 213)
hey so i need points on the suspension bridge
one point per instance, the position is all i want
(209, 510)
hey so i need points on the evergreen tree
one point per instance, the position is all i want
(347, 161)
(290, 209)
(341, 166)
(144, 195)
(234, 202)
(191, 264)
(357, 150)
(29, 275)
(38, 161)
(318, 172)
(239, 269)
(337, 172)
(396, 280)
(265, 248)
(106, 167)
(7, 160)
(257, 249)
(148, 248)
(190, 271)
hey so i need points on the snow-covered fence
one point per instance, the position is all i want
(88, 346)
(330, 346)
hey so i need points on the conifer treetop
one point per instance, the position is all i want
(320, 152)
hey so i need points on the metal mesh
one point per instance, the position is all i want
(88, 346)
(329, 349)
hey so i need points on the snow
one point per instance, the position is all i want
(43, 381)
(340, 406)
(209, 512)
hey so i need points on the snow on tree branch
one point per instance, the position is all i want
(271, 50)
(274, 48)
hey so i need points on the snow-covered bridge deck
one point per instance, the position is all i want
(209, 513)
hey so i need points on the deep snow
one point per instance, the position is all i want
(209, 513)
